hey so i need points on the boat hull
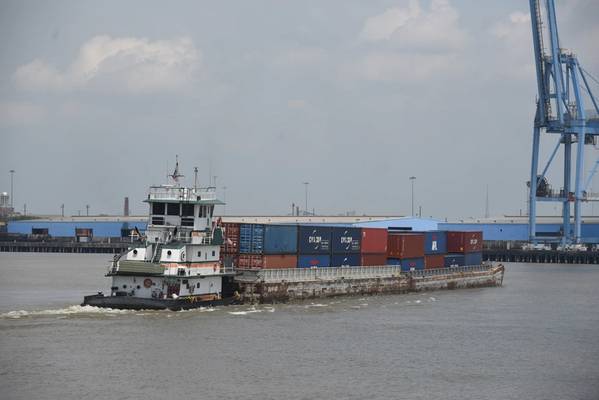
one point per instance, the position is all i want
(137, 303)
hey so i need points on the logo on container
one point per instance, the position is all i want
(473, 242)
(347, 239)
(434, 245)
(314, 239)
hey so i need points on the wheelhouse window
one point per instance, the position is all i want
(172, 209)
(187, 210)
(158, 208)
(157, 221)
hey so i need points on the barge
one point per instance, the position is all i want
(177, 264)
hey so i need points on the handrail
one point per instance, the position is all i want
(330, 273)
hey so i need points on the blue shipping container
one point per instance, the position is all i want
(435, 242)
(346, 240)
(280, 239)
(314, 239)
(316, 260)
(393, 261)
(409, 264)
(473, 258)
(454, 260)
(345, 260)
(251, 238)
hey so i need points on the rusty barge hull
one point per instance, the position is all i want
(282, 285)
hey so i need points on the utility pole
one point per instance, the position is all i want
(225, 200)
(306, 196)
(62, 209)
(87, 210)
(12, 193)
(487, 203)
(412, 178)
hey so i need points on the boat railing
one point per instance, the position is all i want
(338, 273)
(181, 193)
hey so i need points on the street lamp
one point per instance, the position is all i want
(412, 178)
(12, 194)
(306, 196)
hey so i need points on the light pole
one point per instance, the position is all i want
(87, 210)
(412, 178)
(225, 200)
(306, 196)
(12, 193)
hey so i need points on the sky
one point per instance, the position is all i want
(354, 97)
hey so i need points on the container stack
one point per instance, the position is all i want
(406, 249)
(310, 246)
(373, 251)
(464, 248)
(314, 246)
(435, 247)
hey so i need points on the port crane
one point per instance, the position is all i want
(560, 111)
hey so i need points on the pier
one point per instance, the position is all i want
(63, 247)
(541, 256)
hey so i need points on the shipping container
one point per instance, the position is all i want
(405, 245)
(345, 260)
(314, 239)
(370, 260)
(280, 239)
(433, 261)
(250, 261)
(316, 260)
(279, 261)
(410, 264)
(407, 264)
(251, 238)
(435, 242)
(231, 238)
(346, 240)
(473, 258)
(84, 232)
(454, 260)
(464, 242)
(374, 241)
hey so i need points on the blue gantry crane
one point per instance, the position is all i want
(562, 84)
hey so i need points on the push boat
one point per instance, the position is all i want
(176, 264)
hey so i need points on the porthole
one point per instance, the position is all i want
(124, 286)
(135, 252)
(168, 253)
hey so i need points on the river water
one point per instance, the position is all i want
(537, 337)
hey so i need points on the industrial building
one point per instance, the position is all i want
(506, 228)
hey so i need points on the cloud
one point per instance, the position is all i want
(418, 29)
(122, 64)
(515, 44)
(412, 43)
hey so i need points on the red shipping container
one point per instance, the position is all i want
(434, 261)
(374, 260)
(374, 241)
(250, 261)
(405, 245)
(464, 242)
(231, 238)
(279, 261)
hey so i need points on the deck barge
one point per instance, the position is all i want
(279, 285)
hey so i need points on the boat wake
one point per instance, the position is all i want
(68, 311)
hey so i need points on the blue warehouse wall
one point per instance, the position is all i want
(67, 229)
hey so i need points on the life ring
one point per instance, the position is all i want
(147, 283)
